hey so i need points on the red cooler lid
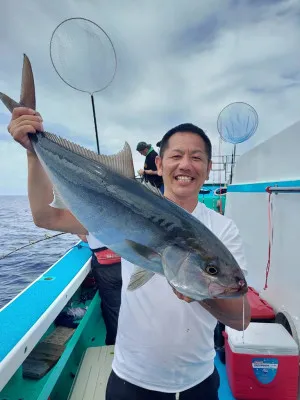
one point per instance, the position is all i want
(260, 309)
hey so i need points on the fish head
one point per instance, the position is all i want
(199, 277)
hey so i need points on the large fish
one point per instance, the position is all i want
(131, 218)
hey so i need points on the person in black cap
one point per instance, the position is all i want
(150, 170)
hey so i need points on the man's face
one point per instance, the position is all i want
(143, 152)
(184, 166)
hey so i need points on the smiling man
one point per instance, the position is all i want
(165, 345)
(165, 341)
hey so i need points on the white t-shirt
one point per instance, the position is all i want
(164, 343)
(93, 242)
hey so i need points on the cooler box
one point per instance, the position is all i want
(261, 311)
(265, 366)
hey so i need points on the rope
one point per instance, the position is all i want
(31, 244)
(220, 176)
(270, 234)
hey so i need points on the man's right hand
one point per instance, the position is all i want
(23, 121)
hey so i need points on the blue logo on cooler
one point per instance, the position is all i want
(265, 369)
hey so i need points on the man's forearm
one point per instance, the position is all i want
(40, 194)
(229, 311)
(150, 172)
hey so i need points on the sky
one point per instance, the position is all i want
(177, 61)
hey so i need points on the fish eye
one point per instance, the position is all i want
(211, 269)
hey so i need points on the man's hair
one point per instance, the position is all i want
(188, 128)
(142, 146)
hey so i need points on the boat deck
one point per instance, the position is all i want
(93, 374)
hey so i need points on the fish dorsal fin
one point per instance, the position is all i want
(152, 188)
(121, 162)
(57, 201)
(27, 98)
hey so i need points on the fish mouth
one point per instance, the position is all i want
(219, 291)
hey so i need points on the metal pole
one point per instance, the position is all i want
(95, 123)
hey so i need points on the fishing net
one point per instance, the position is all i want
(84, 57)
(237, 122)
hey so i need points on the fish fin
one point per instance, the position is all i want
(57, 201)
(27, 98)
(121, 162)
(139, 277)
(153, 189)
(142, 250)
(8, 102)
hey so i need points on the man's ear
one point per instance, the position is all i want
(158, 163)
(209, 167)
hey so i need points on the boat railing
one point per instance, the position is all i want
(283, 189)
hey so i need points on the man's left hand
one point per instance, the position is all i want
(182, 297)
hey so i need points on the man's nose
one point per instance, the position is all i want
(185, 163)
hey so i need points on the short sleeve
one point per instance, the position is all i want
(151, 161)
(232, 239)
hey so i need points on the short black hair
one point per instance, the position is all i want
(142, 146)
(189, 128)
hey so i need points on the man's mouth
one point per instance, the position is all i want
(184, 178)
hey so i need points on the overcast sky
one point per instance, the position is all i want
(178, 61)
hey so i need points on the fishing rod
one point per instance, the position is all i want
(31, 244)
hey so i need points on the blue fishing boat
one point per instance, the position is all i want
(40, 358)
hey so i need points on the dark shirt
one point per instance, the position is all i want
(155, 180)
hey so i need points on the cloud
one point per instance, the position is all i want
(176, 63)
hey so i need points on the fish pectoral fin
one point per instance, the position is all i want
(139, 277)
(142, 250)
(57, 201)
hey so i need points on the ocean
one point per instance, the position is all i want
(17, 229)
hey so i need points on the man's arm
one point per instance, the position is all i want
(24, 121)
(40, 195)
(229, 311)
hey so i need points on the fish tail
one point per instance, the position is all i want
(27, 98)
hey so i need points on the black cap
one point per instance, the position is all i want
(142, 146)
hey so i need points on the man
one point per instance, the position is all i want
(106, 270)
(150, 170)
(165, 345)
(219, 207)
